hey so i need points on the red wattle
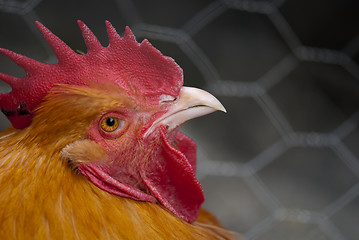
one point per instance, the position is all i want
(171, 177)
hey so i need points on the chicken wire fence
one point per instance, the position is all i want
(283, 162)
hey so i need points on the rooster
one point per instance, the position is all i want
(94, 150)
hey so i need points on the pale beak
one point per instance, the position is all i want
(191, 103)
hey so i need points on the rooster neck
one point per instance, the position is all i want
(46, 199)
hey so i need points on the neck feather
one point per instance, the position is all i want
(45, 198)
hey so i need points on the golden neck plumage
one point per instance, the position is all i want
(42, 197)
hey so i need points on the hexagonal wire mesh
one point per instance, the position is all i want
(283, 163)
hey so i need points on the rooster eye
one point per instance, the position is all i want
(111, 124)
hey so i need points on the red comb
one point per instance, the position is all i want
(124, 61)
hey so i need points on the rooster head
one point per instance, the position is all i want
(115, 112)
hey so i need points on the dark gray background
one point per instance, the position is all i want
(283, 162)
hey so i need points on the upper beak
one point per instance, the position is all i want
(191, 103)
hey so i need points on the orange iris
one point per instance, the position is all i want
(111, 124)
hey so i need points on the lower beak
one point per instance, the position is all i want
(190, 103)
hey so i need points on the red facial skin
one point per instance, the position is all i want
(158, 168)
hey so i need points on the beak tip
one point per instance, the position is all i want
(217, 105)
(222, 109)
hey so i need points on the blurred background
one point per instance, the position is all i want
(283, 162)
